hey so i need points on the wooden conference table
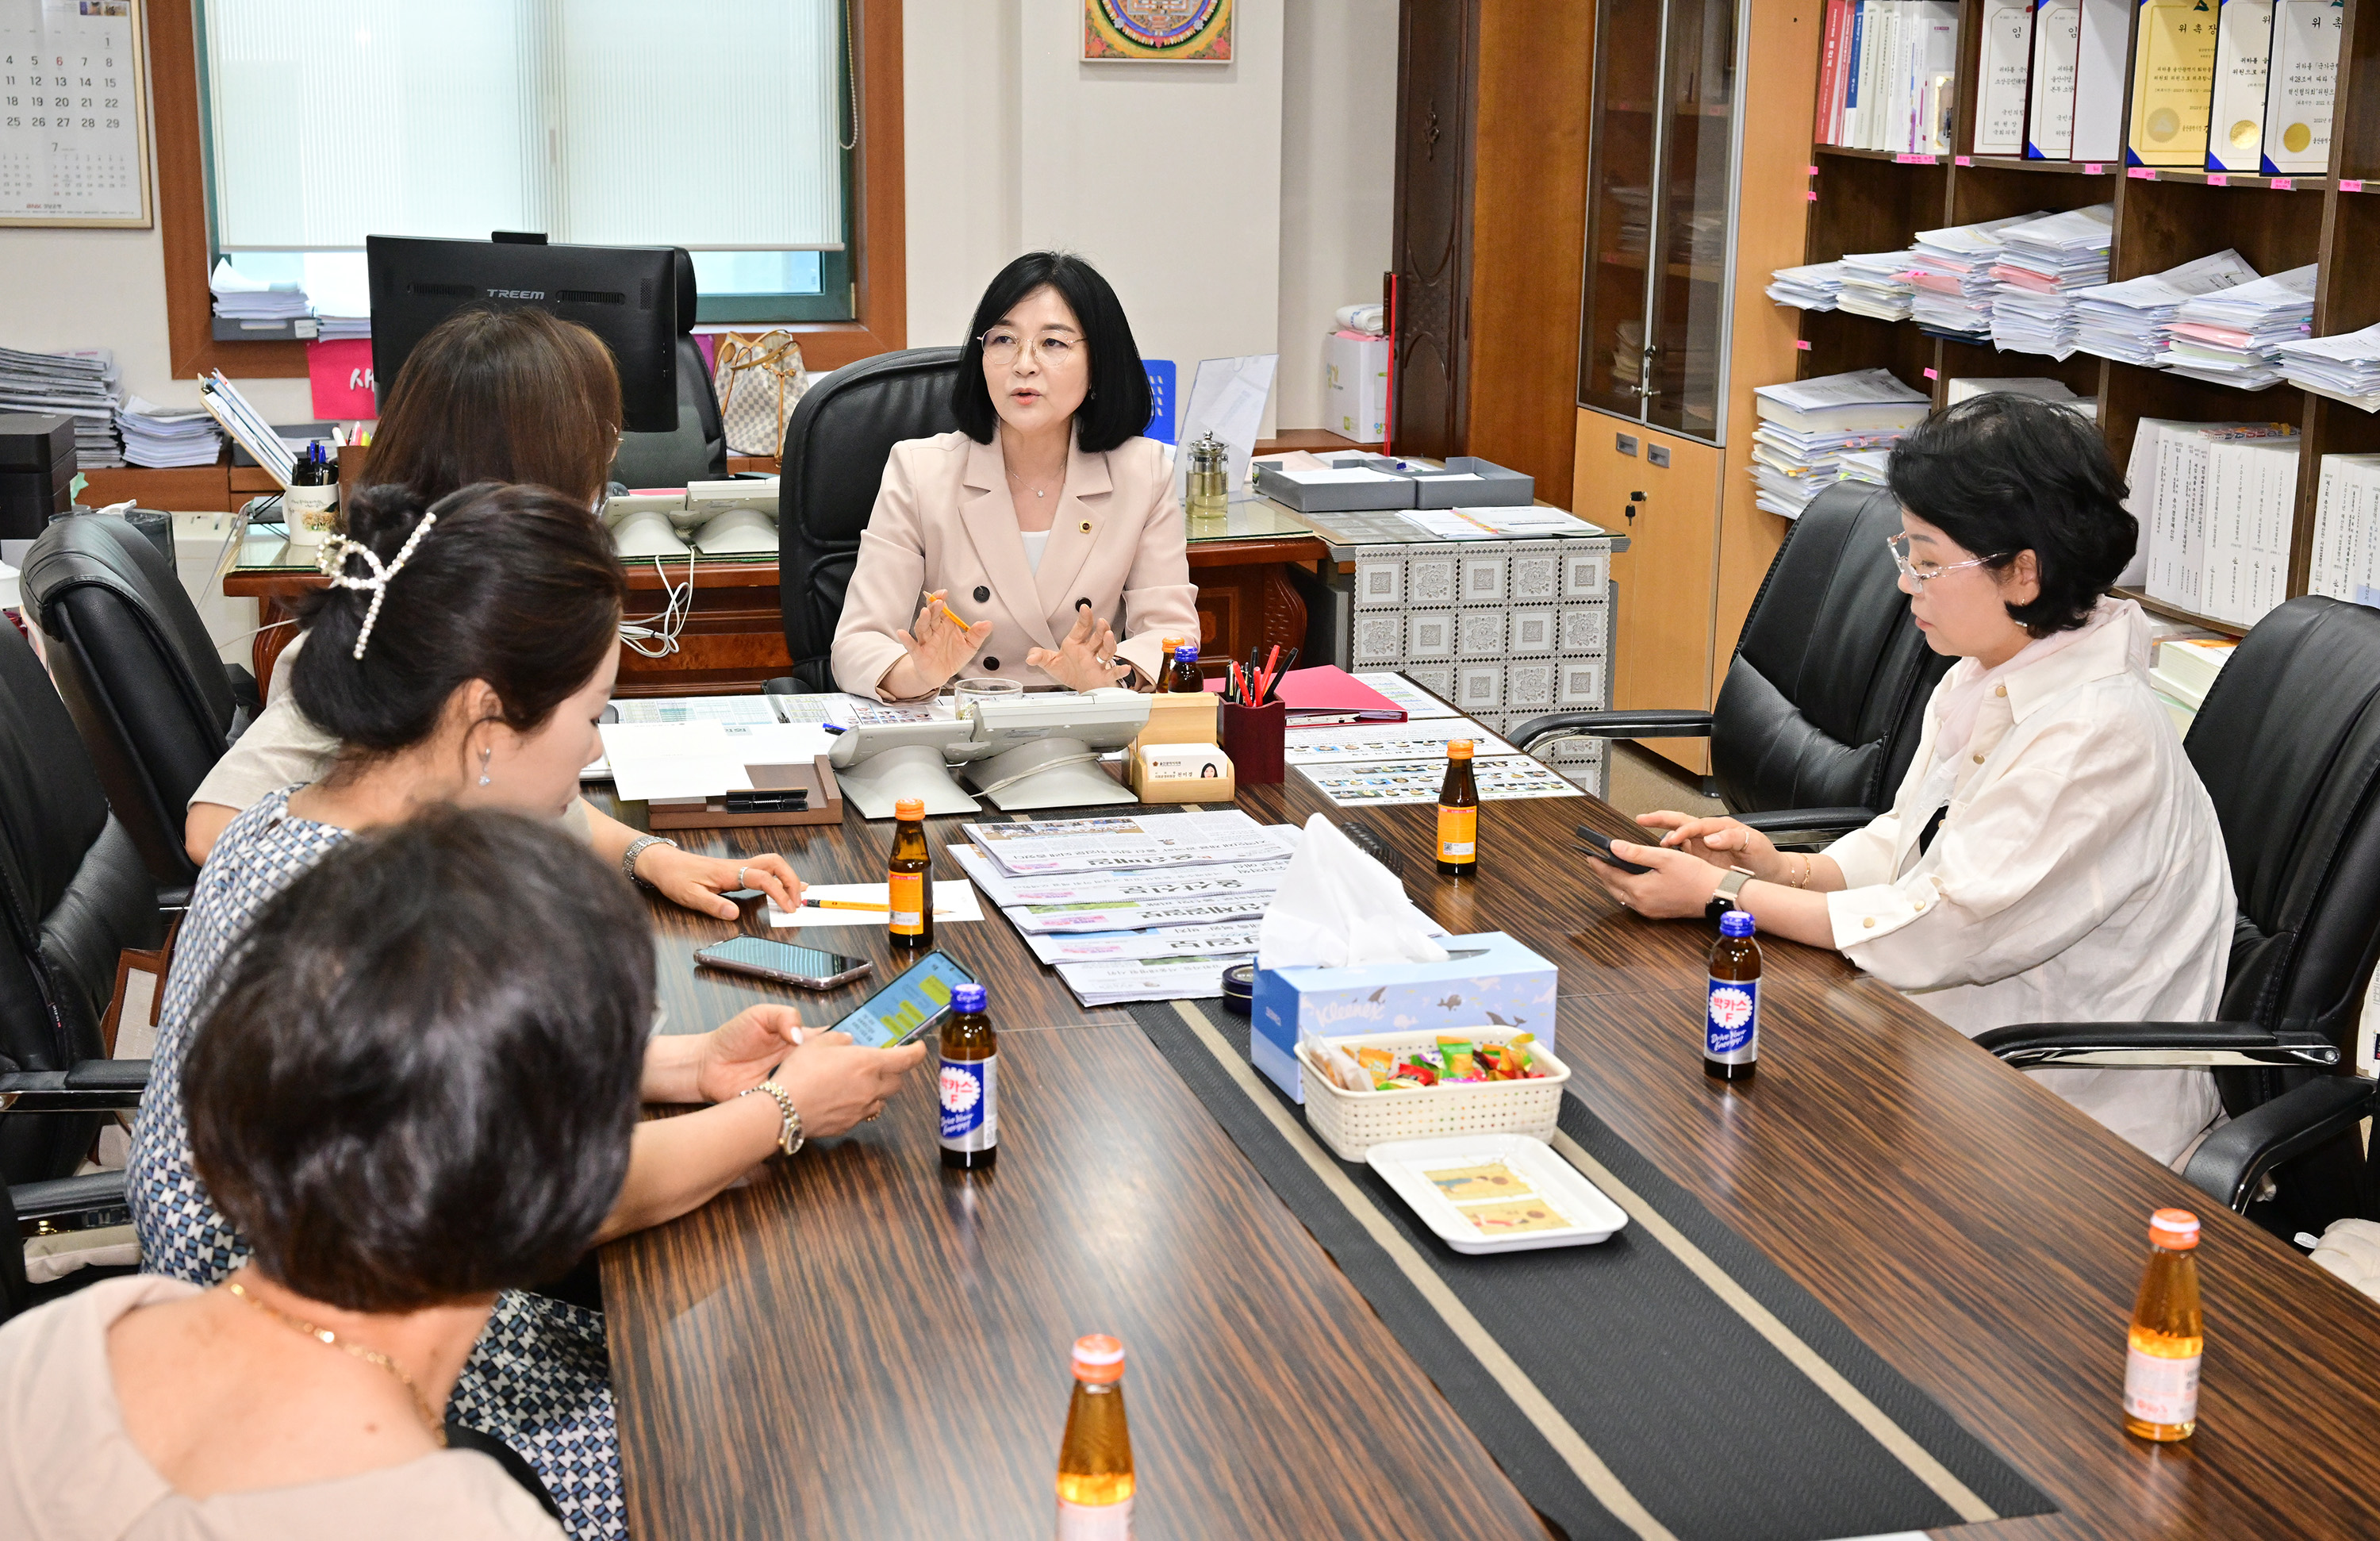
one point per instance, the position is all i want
(856, 1345)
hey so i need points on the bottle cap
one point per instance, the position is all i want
(1167, 644)
(1458, 748)
(909, 807)
(1098, 1359)
(966, 997)
(2174, 1230)
(1186, 652)
(1737, 923)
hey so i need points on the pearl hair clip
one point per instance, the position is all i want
(336, 549)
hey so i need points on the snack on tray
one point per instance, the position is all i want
(1486, 1180)
(1455, 1055)
(1514, 1217)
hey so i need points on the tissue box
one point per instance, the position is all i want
(1504, 984)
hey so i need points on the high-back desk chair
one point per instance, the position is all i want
(1825, 702)
(841, 435)
(2288, 745)
(697, 451)
(156, 705)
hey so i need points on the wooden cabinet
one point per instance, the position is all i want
(1490, 168)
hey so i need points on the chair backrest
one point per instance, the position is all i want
(2289, 747)
(698, 450)
(1826, 700)
(841, 435)
(138, 673)
(74, 894)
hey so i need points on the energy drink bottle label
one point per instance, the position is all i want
(2160, 1390)
(1731, 1029)
(909, 903)
(1458, 834)
(970, 1103)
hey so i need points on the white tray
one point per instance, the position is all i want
(1408, 1166)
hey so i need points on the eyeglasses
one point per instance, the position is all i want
(1898, 546)
(1002, 344)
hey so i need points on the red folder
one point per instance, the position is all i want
(1325, 695)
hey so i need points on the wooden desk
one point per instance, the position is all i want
(852, 1347)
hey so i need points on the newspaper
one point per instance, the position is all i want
(1108, 984)
(1419, 780)
(1129, 842)
(1235, 940)
(1358, 741)
(1164, 883)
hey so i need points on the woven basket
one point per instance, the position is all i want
(1352, 1123)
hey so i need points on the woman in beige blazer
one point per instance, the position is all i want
(1021, 546)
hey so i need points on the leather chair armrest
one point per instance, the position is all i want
(62, 1196)
(2157, 1045)
(2231, 1162)
(92, 1086)
(1651, 723)
(1806, 821)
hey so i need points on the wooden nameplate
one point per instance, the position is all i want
(823, 805)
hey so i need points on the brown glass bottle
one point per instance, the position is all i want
(2169, 1334)
(1165, 663)
(1094, 1478)
(1458, 814)
(1184, 675)
(910, 920)
(1731, 1026)
(969, 1084)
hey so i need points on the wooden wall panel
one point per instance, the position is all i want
(1436, 53)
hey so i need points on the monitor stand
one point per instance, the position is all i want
(1046, 773)
(912, 771)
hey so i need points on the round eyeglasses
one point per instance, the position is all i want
(1898, 546)
(1002, 344)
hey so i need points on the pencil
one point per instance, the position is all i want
(841, 905)
(952, 613)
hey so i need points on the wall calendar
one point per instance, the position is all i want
(74, 114)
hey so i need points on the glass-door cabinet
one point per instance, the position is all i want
(1662, 140)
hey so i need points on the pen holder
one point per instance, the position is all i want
(1252, 736)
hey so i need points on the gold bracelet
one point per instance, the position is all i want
(1807, 867)
(789, 1132)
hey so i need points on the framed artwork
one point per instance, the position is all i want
(1174, 32)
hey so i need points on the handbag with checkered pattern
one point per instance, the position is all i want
(758, 381)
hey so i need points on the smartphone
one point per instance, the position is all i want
(909, 1007)
(1598, 845)
(811, 967)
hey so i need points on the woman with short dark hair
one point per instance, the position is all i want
(1040, 531)
(463, 659)
(2051, 856)
(406, 1111)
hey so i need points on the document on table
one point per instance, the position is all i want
(671, 760)
(1418, 703)
(1109, 844)
(695, 709)
(1134, 915)
(1358, 741)
(1233, 940)
(1221, 880)
(951, 902)
(1500, 779)
(1340, 476)
(1114, 982)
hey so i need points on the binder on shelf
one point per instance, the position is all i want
(2173, 83)
(2005, 68)
(2049, 112)
(2345, 504)
(1854, 57)
(2103, 34)
(2303, 85)
(1833, 50)
(2236, 123)
(1938, 73)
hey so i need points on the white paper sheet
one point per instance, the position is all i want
(1419, 704)
(1084, 888)
(1109, 984)
(1126, 843)
(1358, 741)
(1500, 778)
(671, 760)
(1233, 940)
(1227, 395)
(951, 902)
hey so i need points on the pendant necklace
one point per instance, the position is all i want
(429, 1420)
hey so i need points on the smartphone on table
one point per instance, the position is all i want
(766, 958)
(908, 1008)
(1598, 845)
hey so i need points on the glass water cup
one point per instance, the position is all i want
(965, 694)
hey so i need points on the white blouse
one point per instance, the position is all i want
(2078, 876)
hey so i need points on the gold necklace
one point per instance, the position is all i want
(429, 1420)
(1027, 486)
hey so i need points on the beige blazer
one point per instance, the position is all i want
(943, 520)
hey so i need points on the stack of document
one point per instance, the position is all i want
(2056, 391)
(1950, 271)
(165, 436)
(2040, 263)
(1864, 465)
(2126, 321)
(334, 327)
(255, 300)
(2344, 368)
(81, 385)
(1876, 283)
(2229, 337)
(1814, 288)
(1806, 425)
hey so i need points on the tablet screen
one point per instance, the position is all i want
(917, 997)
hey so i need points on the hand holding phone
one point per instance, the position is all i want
(1598, 845)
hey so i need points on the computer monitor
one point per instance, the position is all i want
(627, 295)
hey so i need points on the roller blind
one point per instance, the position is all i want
(716, 126)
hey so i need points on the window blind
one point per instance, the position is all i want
(714, 127)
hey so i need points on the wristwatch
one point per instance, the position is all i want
(637, 848)
(789, 1132)
(1729, 886)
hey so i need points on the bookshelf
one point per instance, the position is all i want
(1872, 200)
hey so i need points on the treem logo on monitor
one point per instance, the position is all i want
(515, 294)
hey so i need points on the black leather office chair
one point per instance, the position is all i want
(2288, 745)
(74, 894)
(841, 435)
(698, 450)
(156, 705)
(1824, 704)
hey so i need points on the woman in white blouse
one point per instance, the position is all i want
(2051, 856)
